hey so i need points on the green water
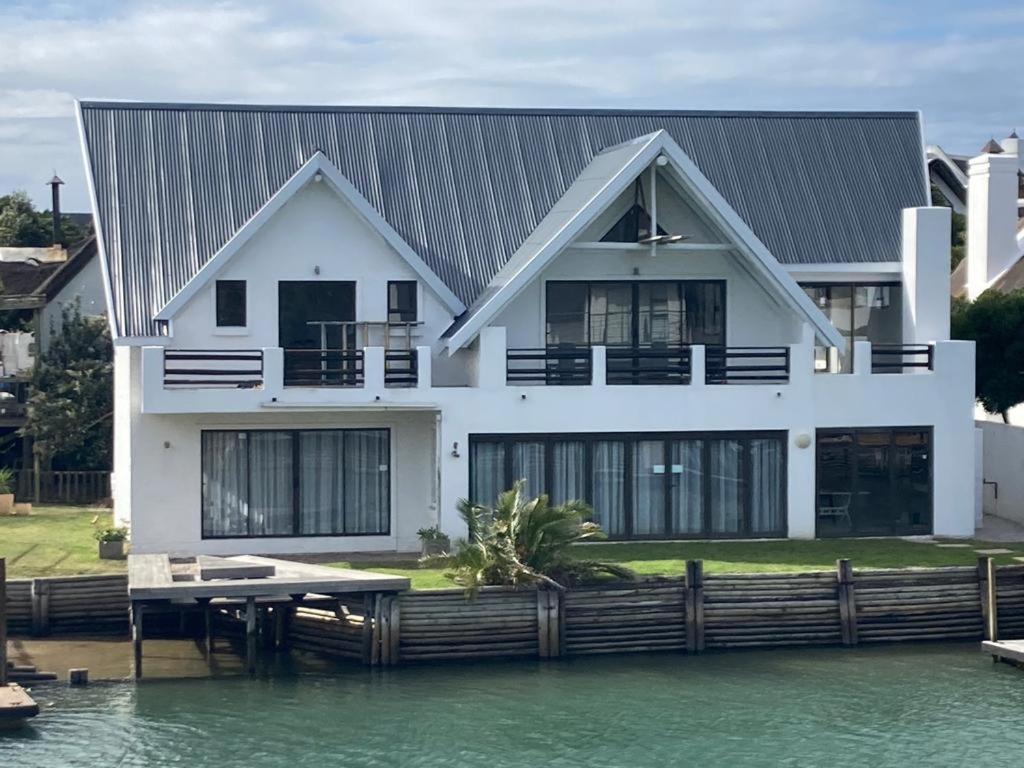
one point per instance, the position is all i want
(893, 706)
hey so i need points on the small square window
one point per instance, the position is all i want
(231, 303)
(402, 301)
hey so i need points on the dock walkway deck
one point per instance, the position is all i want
(205, 583)
(1011, 651)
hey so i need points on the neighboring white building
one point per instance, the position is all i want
(333, 323)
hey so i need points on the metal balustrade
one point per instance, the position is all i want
(897, 358)
(648, 365)
(549, 365)
(746, 365)
(213, 368)
(323, 368)
(401, 368)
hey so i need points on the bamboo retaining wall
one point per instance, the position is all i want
(687, 614)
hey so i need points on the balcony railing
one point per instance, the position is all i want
(400, 368)
(209, 368)
(897, 358)
(549, 365)
(746, 365)
(648, 365)
(323, 368)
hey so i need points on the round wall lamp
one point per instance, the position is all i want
(803, 440)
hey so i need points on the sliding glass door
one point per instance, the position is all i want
(647, 486)
(874, 482)
(295, 483)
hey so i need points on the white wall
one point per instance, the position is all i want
(1003, 451)
(87, 288)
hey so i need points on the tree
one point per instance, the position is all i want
(995, 323)
(71, 404)
(958, 230)
(524, 541)
(22, 226)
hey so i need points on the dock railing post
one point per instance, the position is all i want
(846, 596)
(694, 606)
(3, 621)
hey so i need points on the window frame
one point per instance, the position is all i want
(630, 439)
(634, 289)
(217, 305)
(296, 485)
(414, 284)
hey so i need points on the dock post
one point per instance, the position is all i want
(137, 639)
(40, 607)
(992, 625)
(846, 596)
(694, 606)
(208, 628)
(368, 611)
(548, 625)
(3, 622)
(250, 635)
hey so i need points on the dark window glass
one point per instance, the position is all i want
(402, 301)
(287, 483)
(874, 482)
(649, 485)
(861, 312)
(231, 303)
(652, 313)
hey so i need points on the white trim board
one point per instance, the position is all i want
(318, 164)
(604, 179)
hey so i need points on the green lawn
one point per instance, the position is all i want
(57, 541)
(668, 558)
(54, 541)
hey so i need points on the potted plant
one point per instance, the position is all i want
(113, 543)
(6, 491)
(433, 541)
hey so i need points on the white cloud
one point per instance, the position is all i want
(797, 54)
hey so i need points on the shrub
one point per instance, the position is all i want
(110, 534)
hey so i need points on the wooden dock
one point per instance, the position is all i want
(257, 589)
(16, 706)
(1010, 651)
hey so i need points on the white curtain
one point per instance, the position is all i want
(687, 486)
(365, 481)
(488, 476)
(725, 457)
(270, 484)
(568, 472)
(766, 485)
(528, 465)
(610, 486)
(225, 473)
(321, 502)
(648, 487)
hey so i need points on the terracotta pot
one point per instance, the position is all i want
(113, 550)
(6, 503)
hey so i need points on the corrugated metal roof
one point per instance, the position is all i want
(466, 187)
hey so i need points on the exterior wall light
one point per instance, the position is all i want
(803, 440)
(318, 177)
(662, 161)
(455, 450)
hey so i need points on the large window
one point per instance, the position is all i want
(324, 482)
(649, 486)
(874, 482)
(636, 314)
(861, 312)
(231, 304)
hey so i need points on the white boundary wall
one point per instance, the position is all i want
(1003, 463)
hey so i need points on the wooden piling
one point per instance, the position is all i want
(3, 622)
(694, 606)
(78, 676)
(369, 605)
(40, 607)
(992, 620)
(549, 633)
(137, 611)
(846, 597)
(250, 635)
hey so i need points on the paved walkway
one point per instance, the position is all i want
(999, 529)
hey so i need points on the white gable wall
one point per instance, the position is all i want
(315, 229)
(87, 288)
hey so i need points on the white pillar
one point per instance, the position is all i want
(373, 369)
(861, 358)
(598, 366)
(491, 358)
(991, 219)
(925, 259)
(273, 371)
(953, 440)
(698, 365)
(424, 374)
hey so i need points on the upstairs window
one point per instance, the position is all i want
(231, 304)
(402, 301)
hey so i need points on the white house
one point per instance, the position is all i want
(332, 323)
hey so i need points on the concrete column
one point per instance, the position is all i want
(991, 219)
(599, 366)
(800, 483)
(925, 260)
(373, 369)
(492, 349)
(698, 365)
(273, 371)
(424, 374)
(152, 375)
(862, 358)
(954, 440)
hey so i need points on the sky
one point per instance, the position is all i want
(957, 62)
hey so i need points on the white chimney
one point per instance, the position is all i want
(1011, 146)
(991, 215)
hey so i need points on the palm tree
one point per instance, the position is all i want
(525, 541)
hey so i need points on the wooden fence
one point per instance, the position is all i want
(688, 614)
(64, 486)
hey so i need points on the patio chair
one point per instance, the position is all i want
(835, 506)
